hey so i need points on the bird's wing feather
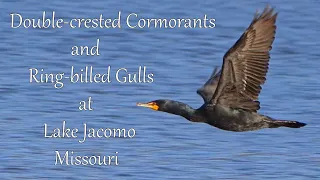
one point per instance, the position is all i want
(208, 89)
(245, 65)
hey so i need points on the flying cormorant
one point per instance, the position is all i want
(231, 95)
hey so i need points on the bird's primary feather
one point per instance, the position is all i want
(245, 65)
(207, 90)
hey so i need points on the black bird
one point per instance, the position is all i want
(231, 95)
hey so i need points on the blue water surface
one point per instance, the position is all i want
(164, 146)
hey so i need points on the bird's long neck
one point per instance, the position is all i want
(179, 108)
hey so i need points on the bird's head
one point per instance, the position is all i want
(169, 106)
(157, 105)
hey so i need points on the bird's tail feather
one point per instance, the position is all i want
(286, 123)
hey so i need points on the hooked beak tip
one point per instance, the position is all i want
(139, 104)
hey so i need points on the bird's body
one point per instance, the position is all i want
(231, 95)
(223, 117)
(235, 119)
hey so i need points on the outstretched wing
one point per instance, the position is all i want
(245, 65)
(208, 89)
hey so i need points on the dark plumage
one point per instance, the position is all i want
(231, 95)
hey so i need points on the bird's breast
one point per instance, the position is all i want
(227, 118)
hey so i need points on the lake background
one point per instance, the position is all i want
(165, 146)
